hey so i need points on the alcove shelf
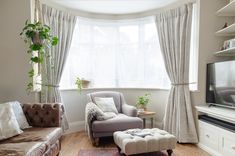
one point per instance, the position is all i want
(227, 52)
(228, 10)
(228, 31)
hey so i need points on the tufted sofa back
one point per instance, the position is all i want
(43, 115)
(118, 98)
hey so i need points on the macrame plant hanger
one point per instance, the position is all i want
(38, 18)
(38, 11)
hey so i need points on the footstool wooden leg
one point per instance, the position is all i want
(169, 151)
(97, 140)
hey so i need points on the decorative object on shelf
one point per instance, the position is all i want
(228, 44)
(228, 49)
(39, 39)
(81, 83)
(225, 25)
(142, 102)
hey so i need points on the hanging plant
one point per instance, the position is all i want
(38, 38)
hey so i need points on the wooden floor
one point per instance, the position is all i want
(72, 143)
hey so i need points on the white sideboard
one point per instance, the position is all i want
(216, 140)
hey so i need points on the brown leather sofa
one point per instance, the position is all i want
(43, 139)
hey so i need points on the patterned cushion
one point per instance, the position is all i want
(20, 117)
(106, 104)
(8, 124)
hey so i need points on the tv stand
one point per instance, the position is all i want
(216, 130)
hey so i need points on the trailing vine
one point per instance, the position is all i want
(39, 39)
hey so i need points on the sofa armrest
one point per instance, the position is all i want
(129, 110)
(44, 114)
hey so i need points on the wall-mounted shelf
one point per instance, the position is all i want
(228, 10)
(227, 52)
(228, 31)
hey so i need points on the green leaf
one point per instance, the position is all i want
(26, 22)
(54, 41)
(35, 59)
(35, 47)
(30, 33)
(31, 73)
(29, 51)
(29, 86)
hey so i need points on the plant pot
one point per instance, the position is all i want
(142, 107)
(85, 83)
(36, 39)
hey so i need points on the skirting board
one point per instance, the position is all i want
(208, 150)
(80, 126)
(76, 127)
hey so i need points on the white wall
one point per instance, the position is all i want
(209, 23)
(14, 61)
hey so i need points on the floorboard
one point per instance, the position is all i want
(72, 143)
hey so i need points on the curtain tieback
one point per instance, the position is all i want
(180, 84)
(53, 85)
(50, 85)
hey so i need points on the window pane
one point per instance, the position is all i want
(123, 54)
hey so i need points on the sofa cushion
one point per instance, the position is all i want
(22, 149)
(37, 134)
(20, 116)
(8, 124)
(119, 123)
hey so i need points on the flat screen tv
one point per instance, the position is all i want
(220, 86)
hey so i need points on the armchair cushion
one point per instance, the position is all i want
(106, 104)
(117, 98)
(119, 123)
(129, 110)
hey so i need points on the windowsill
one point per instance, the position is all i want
(72, 89)
(87, 89)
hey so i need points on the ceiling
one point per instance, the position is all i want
(118, 7)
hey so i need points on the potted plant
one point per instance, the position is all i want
(38, 38)
(81, 83)
(143, 101)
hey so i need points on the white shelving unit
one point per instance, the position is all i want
(228, 10)
(216, 140)
(228, 31)
(227, 52)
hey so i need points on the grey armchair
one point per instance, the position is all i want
(126, 119)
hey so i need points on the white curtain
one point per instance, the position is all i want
(113, 54)
(174, 27)
(62, 25)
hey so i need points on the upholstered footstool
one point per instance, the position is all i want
(136, 141)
